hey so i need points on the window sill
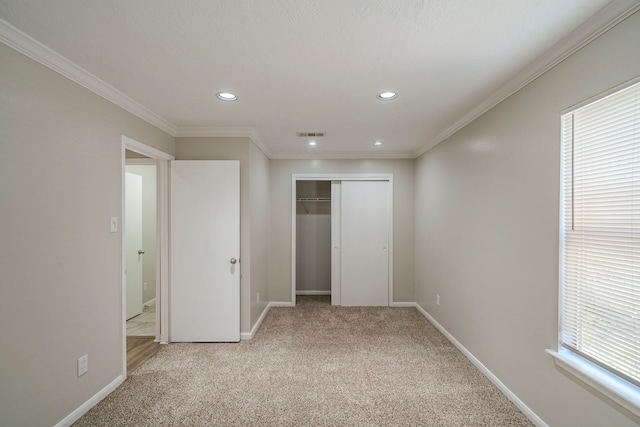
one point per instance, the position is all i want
(622, 392)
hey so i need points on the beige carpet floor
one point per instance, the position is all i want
(313, 365)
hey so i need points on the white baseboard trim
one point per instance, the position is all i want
(280, 304)
(249, 335)
(150, 302)
(84, 408)
(533, 417)
(403, 304)
(313, 292)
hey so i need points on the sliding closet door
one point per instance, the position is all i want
(364, 263)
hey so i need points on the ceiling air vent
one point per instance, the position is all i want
(310, 134)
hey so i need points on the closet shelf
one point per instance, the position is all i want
(304, 202)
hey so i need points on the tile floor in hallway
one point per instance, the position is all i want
(144, 324)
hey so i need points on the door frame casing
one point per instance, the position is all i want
(161, 160)
(338, 177)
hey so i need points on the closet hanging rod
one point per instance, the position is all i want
(313, 199)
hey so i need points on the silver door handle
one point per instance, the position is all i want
(140, 252)
(233, 261)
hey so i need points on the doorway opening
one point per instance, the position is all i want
(144, 182)
(141, 244)
(361, 236)
(313, 241)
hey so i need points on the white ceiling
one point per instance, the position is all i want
(305, 65)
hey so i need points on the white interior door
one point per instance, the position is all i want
(133, 225)
(364, 261)
(205, 251)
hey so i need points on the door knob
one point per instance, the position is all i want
(140, 252)
(233, 260)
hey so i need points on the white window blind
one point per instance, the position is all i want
(600, 232)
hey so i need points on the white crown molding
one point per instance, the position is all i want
(286, 155)
(229, 132)
(258, 141)
(212, 131)
(608, 17)
(37, 51)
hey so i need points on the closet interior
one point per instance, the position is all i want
(313, 238)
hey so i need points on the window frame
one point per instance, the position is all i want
(613, 386)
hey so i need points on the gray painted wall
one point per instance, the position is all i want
(487, 231)
(61, 294)
(313, 252)
(260, 232)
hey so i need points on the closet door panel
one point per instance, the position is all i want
(365, 243)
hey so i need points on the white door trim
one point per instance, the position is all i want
(161, 159)
(339, 177)
(141, 162)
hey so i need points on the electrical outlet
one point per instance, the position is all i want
(145, 286)
(83, 365)
(258, 297)
(438, 300)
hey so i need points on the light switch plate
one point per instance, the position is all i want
(113, 224)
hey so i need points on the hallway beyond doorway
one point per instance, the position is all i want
(144, 324)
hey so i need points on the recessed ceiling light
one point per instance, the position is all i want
(226, 96)
(377, 143)
(312, 143)
(387, 96)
